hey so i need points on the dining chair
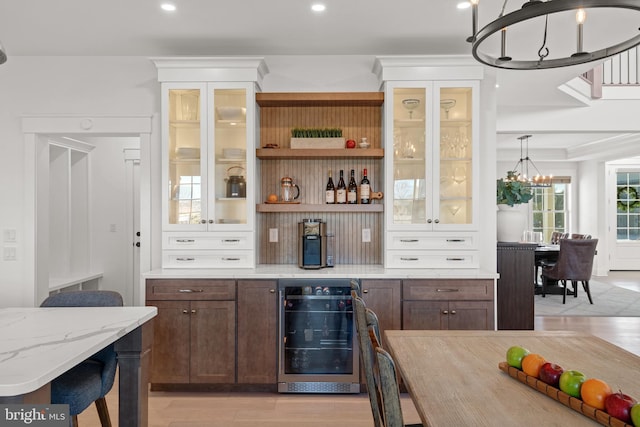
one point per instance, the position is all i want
(368, 332)
(92, 379)
(389, 389)
(575, 264)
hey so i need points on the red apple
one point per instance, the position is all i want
(619, 405)
(550, 373)
(351, 143)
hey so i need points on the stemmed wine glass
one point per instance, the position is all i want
(410, 104)
(446, 105)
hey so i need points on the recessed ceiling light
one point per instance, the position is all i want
(169, 7)
(464, 5)
(318, 7)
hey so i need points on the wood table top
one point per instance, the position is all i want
(454, 380)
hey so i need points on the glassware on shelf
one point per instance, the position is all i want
(410, 104)
(446, 105)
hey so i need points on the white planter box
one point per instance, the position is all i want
(318, 143)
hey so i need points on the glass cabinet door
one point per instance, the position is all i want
(411, 198)
(455, 155)
(185, 157)
(433, 162)
(230, 181)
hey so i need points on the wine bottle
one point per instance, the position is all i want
(352, 194)
(341, 191)
(330, 191)
(365, 189)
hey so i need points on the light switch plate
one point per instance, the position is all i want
(273, 235)
(366, 235)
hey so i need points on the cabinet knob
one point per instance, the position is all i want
(453, 312)
(210, 221)
(185, 311)
(273, 291)
(203, 221)
(193, 311)
(437, 221)
(429, 221)
(365, 291)
(445, 312)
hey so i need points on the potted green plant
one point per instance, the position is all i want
(510, 194)
(317, 138)
(510, 191)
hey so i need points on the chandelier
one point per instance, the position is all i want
(551, 26)
(521, 169)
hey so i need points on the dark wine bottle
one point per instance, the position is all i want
(352, 194)
(365, 189)
(341, 191)
(330, 191)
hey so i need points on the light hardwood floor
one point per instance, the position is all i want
(302, 410)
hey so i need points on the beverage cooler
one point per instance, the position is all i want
(317, 349)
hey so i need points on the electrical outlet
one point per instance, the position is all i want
(366, 235)
(10, 254)
(273, 235)
(10, 235)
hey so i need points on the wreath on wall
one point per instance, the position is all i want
(627, 199)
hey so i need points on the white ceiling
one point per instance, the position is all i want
(279, 27)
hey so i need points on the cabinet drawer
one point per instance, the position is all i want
(208, 259)
(447, 289)
(432, 259)
(190, 289)
(409, 241)
(235, 240)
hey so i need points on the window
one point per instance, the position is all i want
(189, 197)
(628, 205)
(550, 210)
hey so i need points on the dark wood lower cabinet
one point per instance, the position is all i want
(516, 263)
(384, 297)
(257, 331)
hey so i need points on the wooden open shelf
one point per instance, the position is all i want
(301, 153)
(289, 99)
(303, 207)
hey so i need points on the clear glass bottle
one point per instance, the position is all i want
(352, 193)
(341, 191)
(330, 191)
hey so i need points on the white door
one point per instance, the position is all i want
(624, 222)
(132, 178)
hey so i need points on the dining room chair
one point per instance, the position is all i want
(92, 379)
(368, 332)
(574, 264)
(389, 389)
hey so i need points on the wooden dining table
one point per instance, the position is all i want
(454, 380)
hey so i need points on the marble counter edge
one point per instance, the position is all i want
(135, 317)
(276, 271)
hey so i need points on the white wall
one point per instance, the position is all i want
(57, 86)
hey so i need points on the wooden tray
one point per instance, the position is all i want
(576, 404)
(294, 202)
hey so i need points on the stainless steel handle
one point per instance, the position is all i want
(230, 240)
(408, 259)
(231, 259)
(185, 240)
(185, 259)
(456, 240)
(455, 259)
(409, 240)
(447, 290)
(188, 291)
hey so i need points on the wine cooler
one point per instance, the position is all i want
(317, 350)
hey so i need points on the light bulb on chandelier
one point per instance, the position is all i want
(520, 171)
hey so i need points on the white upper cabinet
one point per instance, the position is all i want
(431, 131)
(208, 165)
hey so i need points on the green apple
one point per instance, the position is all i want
(515, 354)
(571, 381)
(635, 414)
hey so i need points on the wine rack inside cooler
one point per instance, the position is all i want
(318, 351)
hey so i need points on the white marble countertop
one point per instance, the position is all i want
(281, 271)
(38, 344)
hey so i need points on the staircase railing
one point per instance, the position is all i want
(622, 69)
